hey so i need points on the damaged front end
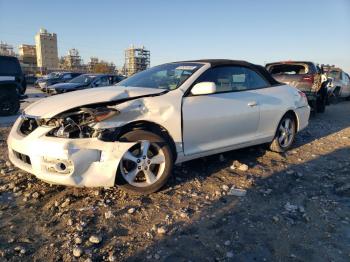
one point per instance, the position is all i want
(78, 123)
(67, 149)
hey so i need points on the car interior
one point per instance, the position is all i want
(288, 69)
(233, 79)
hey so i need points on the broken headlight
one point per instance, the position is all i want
(78, 123)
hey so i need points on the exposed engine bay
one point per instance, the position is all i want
(78, 123)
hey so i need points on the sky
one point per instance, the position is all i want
(253, 30)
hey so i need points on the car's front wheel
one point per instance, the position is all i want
(285, 134)
(147, 165)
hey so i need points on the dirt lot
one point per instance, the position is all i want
(296, 208)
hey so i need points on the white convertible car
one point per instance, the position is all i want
(132, 134)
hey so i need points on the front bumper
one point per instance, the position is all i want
(88, 162)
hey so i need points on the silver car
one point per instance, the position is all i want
(340, 83)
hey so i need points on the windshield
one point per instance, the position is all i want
(83, 79)
(167, 76)
(334, 74)
(51, 75)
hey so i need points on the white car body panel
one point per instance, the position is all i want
(51, 106)
(199, 126)
(237, 122)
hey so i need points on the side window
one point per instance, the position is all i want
(103, 81)
(67, 76)
(233, 78)
(346, 78)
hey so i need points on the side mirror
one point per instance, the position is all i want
(203, 88)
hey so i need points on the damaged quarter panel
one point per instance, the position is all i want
(161, 110)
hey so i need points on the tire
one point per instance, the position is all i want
(9, 101)
(321, 104)
(336, 95)
(279, 146)
(159, 147)
(23, 90)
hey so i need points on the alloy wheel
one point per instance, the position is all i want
(286, 132)
(143, 164)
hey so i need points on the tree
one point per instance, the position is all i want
(103, 67)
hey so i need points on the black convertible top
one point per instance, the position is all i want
(227, 62)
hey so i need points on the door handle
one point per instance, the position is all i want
(253, 103)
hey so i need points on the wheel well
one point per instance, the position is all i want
(336, 89)
(292, 113)
(152, 127)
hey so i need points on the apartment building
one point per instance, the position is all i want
(27, 54)
(46, 49)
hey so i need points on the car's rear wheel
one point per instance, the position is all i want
(146, 166)
(285, 134)
(9, 101)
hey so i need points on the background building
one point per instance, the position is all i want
(100, 66)
(27, 54)
(72, 61)
(46, 49)
(6, 49)
(136, 59)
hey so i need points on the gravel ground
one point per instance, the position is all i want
(291, 207)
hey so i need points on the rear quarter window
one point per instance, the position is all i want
(288, 69)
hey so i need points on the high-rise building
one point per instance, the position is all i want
(27, 54)
(46, 49)
(136, 59)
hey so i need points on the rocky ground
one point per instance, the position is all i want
(245, 205)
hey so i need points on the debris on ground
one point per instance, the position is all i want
(244, 205)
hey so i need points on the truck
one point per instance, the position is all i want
(12, 85)
(305, 76)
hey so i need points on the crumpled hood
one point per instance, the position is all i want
(53, 105)
(66, 86)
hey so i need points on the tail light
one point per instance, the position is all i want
(303, 97)
(308, 78)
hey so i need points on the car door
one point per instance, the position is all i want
(226, 118)
(102, 81)
(346, 87)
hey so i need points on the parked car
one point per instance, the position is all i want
(57, 78)
(306, 76)
(340, 83)
(10, 66)
(132, 134)
(83, 82)
(31, 79)
(44, 78)
(12, 84)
